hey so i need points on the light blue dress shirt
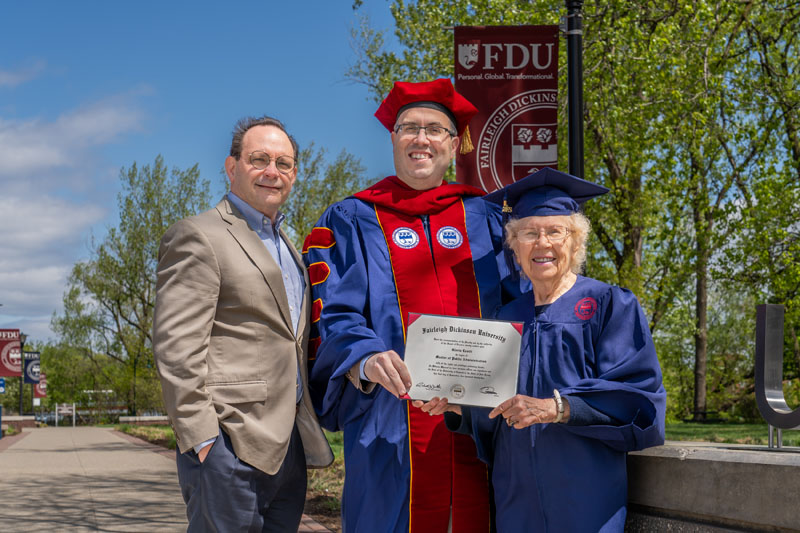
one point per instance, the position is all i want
(290, 270)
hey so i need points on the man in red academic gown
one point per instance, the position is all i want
(412, 243)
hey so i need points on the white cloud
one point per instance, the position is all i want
(50, 172)
(23, 75)
(33, 287)
(48, 226)
(37, 250)
(31, 147)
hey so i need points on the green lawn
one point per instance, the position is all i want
(715, 432)
(729, 433)
(161, 435)
(165, 436)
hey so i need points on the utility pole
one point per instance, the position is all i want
(574, 35)
(22, 339)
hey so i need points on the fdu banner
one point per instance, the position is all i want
(32, 367)
(510, 73)
(40, 389)
(10, 361)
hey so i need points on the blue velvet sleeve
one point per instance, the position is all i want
(626, 385)
(345, 337)
(583, 414)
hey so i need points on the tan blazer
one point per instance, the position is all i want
(224, 342)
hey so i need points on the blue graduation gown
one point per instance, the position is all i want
(593, 343)
(359, 315)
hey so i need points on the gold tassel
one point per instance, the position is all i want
(466, 142)
(506, 208)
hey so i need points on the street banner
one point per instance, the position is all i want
(510, 73)
(2, 385)
(40, 389)
(32, 367)
(10, 361)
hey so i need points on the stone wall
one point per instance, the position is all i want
(144, 420)
(17, 422)
(694, 486)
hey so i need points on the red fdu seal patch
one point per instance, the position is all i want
(585, 308)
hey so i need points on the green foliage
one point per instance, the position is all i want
(330, 480)
(10, 400)
(757, 434)
(730, 377)
(161, 435)
(627, 88)
(71, 372)
(765, 255)
(691, 119)
(318, 185)
(106, 326)
(675, 349)
(427, 47)
(105, 329)
(336, 441)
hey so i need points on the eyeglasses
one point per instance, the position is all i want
(261, 160)
(551, 234)
(434, 132)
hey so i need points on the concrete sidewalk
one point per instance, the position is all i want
(89, 479)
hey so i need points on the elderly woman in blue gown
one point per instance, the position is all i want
(589, 383)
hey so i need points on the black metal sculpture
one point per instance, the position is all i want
(769, 371)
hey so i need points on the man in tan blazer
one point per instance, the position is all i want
(230, 336)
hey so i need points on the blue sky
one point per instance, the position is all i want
(89, 87)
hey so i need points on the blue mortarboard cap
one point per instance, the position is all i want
(545, 192)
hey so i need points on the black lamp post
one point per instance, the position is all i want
(22, 339)
(575, 83)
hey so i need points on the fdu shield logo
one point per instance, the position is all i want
(32, 371)
(468, 55)
(405, 238)
(449, 237)
(585, 308)
(32, 367)
(10, 358)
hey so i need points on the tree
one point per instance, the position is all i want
(717, 143)
(674, 126)
(318, 185)
(769, 253)
(108, 305)
(627, 87)
(626, 90)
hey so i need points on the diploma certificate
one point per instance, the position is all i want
(469, 361)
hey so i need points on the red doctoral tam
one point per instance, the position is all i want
(440, 91)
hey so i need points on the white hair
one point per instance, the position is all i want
(579, 227)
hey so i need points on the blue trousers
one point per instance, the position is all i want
(224, 494)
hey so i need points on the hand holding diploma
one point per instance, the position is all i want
(436, 406)
(464, 361)
(389, 371)
(522, 411)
